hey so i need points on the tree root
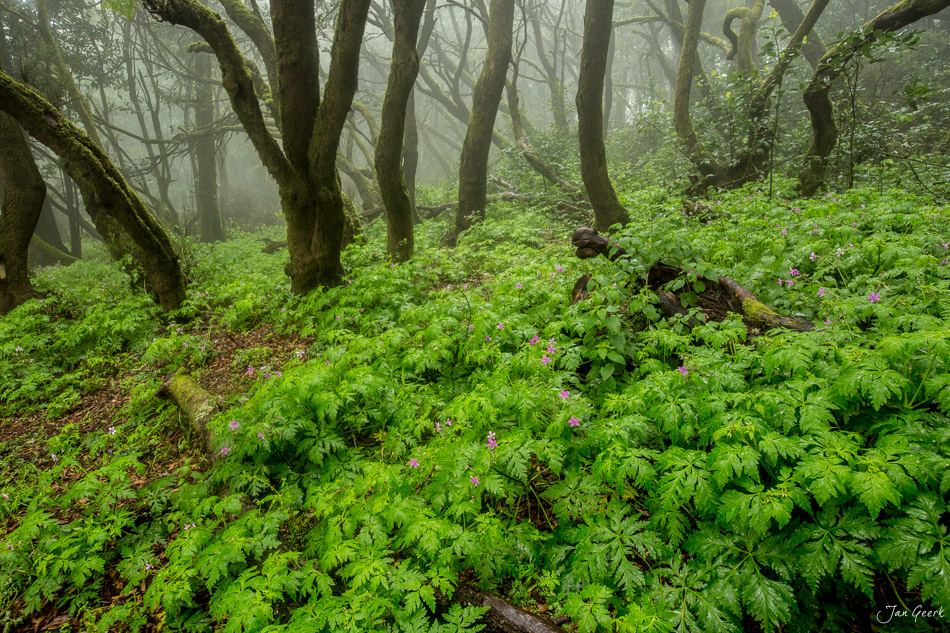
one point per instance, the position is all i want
(718, 298)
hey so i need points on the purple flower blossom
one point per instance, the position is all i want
(475, 481)
(683, 370)
(564, 393)
(327, 363)
(111, 430)
(225, 450)
(518, 285)
(574, 421)
(780, 282)
(250, 370)
(19, 349)
(6, 496)
(448, 422)
(874, 297)
(789, 283)
(793, 272)
(827, 321)
(492, 442)
(812, 257)
(438, 427)
(234, 424)
(545, 360)
(488, 339)
(821, 292)
(414, 463)
(534, 340)
(559, 269)
(500, 326)
(464, 286)
(260, 435)
(53, 455)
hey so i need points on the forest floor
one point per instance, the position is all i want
(453, 424)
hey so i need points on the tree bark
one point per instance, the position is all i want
(402, 76)
(23, 194)
(473, 167)
(106, 193)
(598, 22)
(206, 175)
(816, 97)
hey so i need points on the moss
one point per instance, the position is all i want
(758, 313)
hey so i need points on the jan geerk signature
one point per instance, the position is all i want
(891, 612)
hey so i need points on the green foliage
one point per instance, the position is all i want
(455, 420)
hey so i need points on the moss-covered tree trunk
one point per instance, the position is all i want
(598, 23)
(206, 174)
(816, 97)
(107, 194)
(23, 194)
(402, 76)
(473, 165)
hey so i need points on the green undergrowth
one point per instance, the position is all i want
(455, 419)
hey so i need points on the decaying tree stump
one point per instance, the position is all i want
(196, 403)
(719, 297)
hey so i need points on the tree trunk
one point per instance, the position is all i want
(558, 109)
(473, 166)
(824, 130)
(48, 231)
(598, 22)
(107, 194)
(402, 76)
(791, 15)
(23, 194)
(206, 174)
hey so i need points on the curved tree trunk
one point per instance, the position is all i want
(107, 194)
(598, 22)
(23, 194)
(824, 130)
(473, 167)
(389, 146)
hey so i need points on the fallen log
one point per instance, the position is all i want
(502, 616)
(271, 246)
(196, 403)
(718, 298)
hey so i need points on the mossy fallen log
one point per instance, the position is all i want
(195, 402)
(718, 297)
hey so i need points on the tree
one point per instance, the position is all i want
(473, 164)
(110, 200)
(206, 172)
(598, 21)
(751, 160)
(389, 145)
(23, 194)
(305, 168)
(820, 109)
